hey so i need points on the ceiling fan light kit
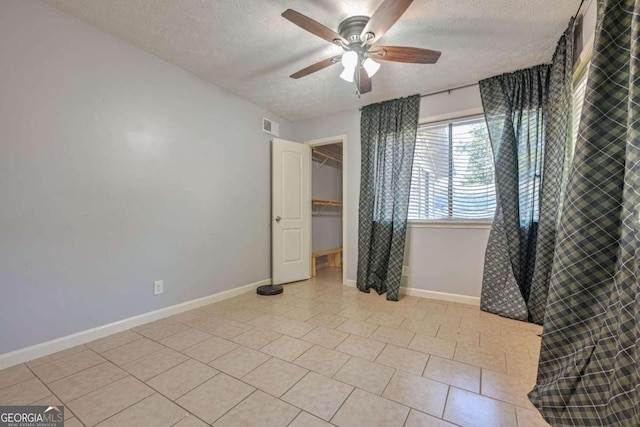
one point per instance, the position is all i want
(347, 74)
(349, 59)
(357, 35)
(370, 66)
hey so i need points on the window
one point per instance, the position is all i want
(452, 177)
(579, 90)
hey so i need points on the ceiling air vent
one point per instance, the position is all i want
(270, 126)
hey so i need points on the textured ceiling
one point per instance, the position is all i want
(246, 47)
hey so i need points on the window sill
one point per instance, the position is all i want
(449, 224)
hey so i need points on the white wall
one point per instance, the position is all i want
(116, 169)
(431, 252)
(326, 222)
(446, 259)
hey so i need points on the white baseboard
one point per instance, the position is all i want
(35, 351)
(442, 296)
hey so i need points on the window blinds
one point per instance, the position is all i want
(452, 177)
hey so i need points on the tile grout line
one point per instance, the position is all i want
(118, 346)
(294, 418)
(255, 389)
(289, 403)
(172, 367)
(446, 400)
(342, 404)
(407, 417)
(424, 370)
(50, 391)
(175, 402)
(185, 417)
(99, 388)
(23, 381)
(130, 342)
(311, 370)
(389, 381)
(240, 379)
(190, 390)
(104, 360)
(84, 347)
(124, 409)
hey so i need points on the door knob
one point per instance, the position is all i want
(278, 219)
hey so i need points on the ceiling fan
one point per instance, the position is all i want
(358, 35)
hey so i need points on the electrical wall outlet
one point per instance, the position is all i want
(405, 270)
(158, 287)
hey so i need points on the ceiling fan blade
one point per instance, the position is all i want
(413, 55)
(316, 67)
(314, 27)
(364, 81)
(384, 17)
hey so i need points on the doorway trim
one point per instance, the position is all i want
(335, 140)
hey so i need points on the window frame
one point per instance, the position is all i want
(580, 71)
(474, 113)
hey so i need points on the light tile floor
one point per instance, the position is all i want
(318, 354)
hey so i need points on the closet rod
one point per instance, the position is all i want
(326, 155)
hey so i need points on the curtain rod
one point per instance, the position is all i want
(476, 84)
(578, 11)
(442, 91)
(448, 90)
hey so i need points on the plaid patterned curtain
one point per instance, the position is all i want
(589, 371)
(388, 132)
(528, 115)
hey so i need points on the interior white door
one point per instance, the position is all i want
(291, 211)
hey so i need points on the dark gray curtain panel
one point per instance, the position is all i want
(557, 158)
(528, 115)
(388, 133)
(588, 374)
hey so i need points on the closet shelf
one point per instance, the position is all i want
(326, 202)
(327, 155)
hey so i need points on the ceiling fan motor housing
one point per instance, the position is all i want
(351, 28)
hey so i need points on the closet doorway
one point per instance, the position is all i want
(328, 208)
